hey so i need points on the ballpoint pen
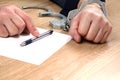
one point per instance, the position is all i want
(31, 40)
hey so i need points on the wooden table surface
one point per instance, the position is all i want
(84, 61)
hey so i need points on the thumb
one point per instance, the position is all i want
(74, 30)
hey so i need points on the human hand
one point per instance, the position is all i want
(14, 21)
(91, 24)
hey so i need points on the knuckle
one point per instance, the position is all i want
(88, 13)
(5, 8)
(21, 26)
(89, 38)
(3, 15)
(83, 33)
(99, 18)
(6, 11)
(96, 41)
(8, 7)
(3, 33)
(14, 32)
(106, 24)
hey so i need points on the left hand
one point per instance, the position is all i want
(14, 21)
(91, 24)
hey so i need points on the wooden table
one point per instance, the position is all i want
(84, 61)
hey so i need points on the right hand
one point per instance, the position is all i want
(91, 24)
(14, 21)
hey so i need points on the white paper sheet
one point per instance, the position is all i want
(35, 53)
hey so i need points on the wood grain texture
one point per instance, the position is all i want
(84, 61)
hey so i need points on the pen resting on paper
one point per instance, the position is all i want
(31, 40)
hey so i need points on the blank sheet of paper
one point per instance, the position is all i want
(35, 53)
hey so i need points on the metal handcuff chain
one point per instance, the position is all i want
(56, 24)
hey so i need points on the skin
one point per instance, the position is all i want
(90, 24)
(14, 21)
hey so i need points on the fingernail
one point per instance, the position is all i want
(36, 33)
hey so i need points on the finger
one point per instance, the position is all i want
(85, 22)
(106, 34)
(74, 30)
(26, 31)
(18, 22)
(27, 20)
(94, 28)
(100, 34)
(9, 12)
(11, 28)
(3, 31)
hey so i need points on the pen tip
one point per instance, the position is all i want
(22, 44)
(51, 31)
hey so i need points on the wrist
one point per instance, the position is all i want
(94, 5)
(98, 3)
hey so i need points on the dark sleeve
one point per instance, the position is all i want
(103, 0)
(59, 2)
(69, 5)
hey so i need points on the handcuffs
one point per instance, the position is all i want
(73, 13)
(64, 22)
(56, 24)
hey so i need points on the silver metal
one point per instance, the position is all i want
(101, 3)
(56, 24)
(74, 12)
(37, 7)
